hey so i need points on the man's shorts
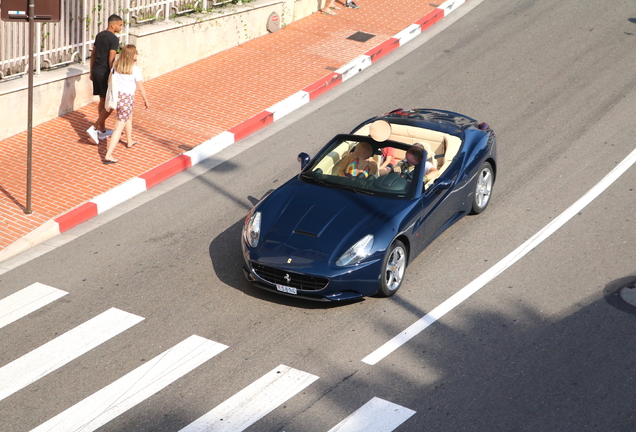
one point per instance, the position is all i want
(100, 83)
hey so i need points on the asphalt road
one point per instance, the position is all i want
(543, 346)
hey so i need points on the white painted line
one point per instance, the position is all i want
(377, 415)
(253, 402)
(61, 350)
(408, 34)
(502, 265)
(27, 300)
(450, 5)
(210, 147)
(286, 106)
(355, 66)
(134, 387)
(119, 194)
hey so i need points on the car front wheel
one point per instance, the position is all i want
(483, 189)
(393, 268)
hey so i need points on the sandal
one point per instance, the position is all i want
(327, 12)
(129, 146)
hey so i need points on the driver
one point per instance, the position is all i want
(359, 161)
(413, 157)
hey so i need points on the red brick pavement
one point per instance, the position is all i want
(67, 168)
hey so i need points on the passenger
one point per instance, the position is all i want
(359, 161)
(413, 157)
(391, 156)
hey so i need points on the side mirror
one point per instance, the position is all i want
(439, 185)
(304, 159)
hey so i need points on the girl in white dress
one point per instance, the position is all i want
(127, 79)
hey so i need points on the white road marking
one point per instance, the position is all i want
(291, 104)
(120, 193)
(377, 415)
(253, 402)
(409, 33)
(61, 350)
(502, 265)
(27, 300)
(134, 387)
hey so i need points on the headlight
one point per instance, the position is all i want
(252, 229)
(357, 252)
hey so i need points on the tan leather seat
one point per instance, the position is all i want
(443, 146)
(331, 162)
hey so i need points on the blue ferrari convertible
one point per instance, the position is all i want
(368, 203)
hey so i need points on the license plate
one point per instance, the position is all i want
(286, 289)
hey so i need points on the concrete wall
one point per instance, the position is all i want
(164, 47)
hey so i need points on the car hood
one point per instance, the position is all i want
(319, 223)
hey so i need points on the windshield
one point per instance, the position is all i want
(359, 164)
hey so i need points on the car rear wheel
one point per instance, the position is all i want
(393, 268)
(483, 189)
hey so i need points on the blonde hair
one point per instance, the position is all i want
(126, 60)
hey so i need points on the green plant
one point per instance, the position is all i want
(44, 35)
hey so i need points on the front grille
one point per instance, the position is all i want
(295, 280)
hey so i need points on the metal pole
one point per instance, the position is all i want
(30, 106)
(37, 49)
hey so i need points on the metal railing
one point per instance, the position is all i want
(71, 40)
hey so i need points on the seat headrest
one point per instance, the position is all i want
(430, 154)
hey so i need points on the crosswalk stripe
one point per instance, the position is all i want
(377, 415)
(253, 402)
(134, 387)
(27, 300)
(61, 350)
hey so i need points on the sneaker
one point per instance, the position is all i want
(94, 134)
(351, 5)
(105, 134)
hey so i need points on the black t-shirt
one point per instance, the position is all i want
(104, 42)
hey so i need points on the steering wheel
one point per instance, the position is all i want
(407, 175)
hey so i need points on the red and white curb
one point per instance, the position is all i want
(137, 185)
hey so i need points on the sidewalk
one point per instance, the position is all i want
(194, 107)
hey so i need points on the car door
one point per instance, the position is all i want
(438, 205)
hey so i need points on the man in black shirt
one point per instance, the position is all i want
(102, 58)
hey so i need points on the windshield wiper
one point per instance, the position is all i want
(313, 179)
(336, 185)
(351, 188)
